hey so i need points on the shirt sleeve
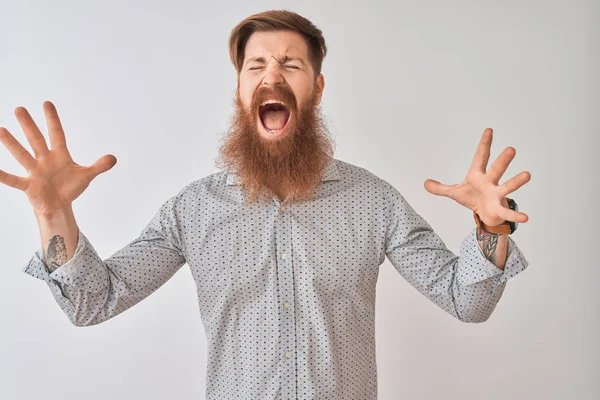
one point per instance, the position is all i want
(91, 290)
(467, 286)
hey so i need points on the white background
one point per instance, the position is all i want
(410, 87)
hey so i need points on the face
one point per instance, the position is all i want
(278, 142)
(276, 80)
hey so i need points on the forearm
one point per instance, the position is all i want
(58, 233)
(494, 247)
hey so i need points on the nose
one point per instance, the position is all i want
(272, 75)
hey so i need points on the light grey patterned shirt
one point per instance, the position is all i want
(286, 291)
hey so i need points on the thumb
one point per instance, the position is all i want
(434, 187)
(102, 165)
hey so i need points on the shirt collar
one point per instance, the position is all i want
(330, 173)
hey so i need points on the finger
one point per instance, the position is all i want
(501, 163)
(512, 215)
(55, 129)
(102, 165)
(15, 148)
(515, 182)
(32, 132)
(482, 154)
(13, 181)
(434, 187)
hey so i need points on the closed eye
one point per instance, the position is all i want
(287, 66)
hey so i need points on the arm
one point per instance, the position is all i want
(91, 290)
(480, 192)
(494, 247)
(59, 231)
(467, 286)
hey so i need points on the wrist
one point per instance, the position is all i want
(485, 232)
(505, 228)
(59, 216)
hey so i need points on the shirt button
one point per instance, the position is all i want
(286, 305)
(288, 355)
(284, 256)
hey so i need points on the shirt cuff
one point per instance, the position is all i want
(480, 268)
(84, 271)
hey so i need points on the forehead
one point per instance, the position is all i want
(276, 43)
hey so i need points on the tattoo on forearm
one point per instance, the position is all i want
(488, 242)
(57, 253)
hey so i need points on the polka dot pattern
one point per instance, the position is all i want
(286, 291)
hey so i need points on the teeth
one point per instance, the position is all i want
(271, 102)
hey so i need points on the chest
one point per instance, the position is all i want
(327, 246)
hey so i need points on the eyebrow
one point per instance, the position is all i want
(280, 60)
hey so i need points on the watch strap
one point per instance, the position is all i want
(502, 229)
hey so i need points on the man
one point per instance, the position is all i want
(285, 244)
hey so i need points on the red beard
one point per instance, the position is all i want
(291, 166)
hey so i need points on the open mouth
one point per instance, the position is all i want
(274, 116)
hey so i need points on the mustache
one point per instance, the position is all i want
(279, 93)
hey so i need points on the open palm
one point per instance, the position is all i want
(54, 180)
(480, 191)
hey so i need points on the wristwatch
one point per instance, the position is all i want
(506, 228)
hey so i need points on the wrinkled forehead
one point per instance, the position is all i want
(275, 45)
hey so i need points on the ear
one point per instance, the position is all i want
(319, 87)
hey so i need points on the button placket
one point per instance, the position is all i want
(285, 277)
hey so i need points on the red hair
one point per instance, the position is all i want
(272, 21)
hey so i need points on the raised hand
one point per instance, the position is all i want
(480, 191)
(54, 180)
